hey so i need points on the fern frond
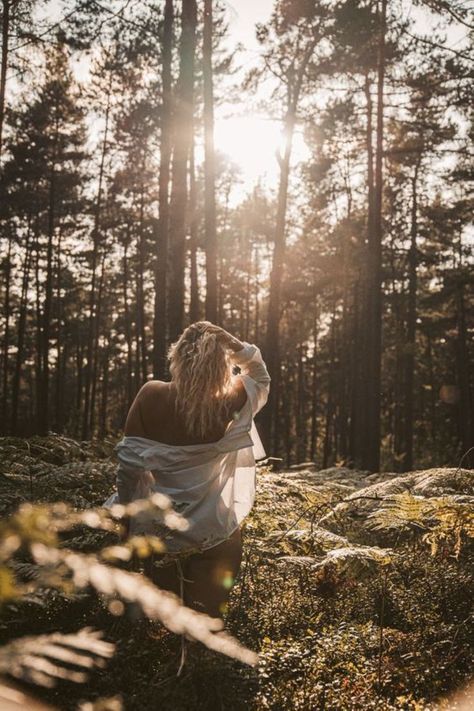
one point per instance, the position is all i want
(44, 659)
(356, 562)
(14, 698)
(401, 512)
(88, 570)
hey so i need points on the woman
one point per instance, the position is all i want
(196, 436)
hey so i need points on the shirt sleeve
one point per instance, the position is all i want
(133, 480)
(254, 373)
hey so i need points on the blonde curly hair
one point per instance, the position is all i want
(202, 373)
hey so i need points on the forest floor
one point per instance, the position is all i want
(355, 588)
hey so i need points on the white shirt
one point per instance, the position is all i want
(211, 485)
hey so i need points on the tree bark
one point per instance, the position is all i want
(375, 283)
(183, 121)
(6, 339)
(162, 238)
(276, 275)
(466, 403)
(95, 257)
(127, 319)
(195, 307)
(209, 167)
(6, 20)
(21, 333)
(409, 349)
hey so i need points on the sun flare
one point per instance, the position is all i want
(253, 142)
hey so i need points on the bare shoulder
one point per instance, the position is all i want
(152, 391)
(153, 386)
(239, 393)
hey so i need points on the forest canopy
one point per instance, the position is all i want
(311, 193)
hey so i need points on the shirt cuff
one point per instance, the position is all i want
(245, 354)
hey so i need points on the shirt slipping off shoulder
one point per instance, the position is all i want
(211, 484)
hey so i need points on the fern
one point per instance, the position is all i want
(35, 530)
(87, 570)
(356, 562)
(42, 660)
(441, 519)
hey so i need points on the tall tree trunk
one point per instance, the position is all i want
(105, 391)
(367, 398)
(276, 276)
(79, 384)
(466, 403)
(359, 423)
(44, 421)
(59, 394)
(140, 311)
(375, 261)
(409, 349)
(95, 353)
(6, 20)
(21, 333)
(314, 394)
(127, 319)
(209, 167)
(329, 426)
(161, 272)
(256, 296)
(183, 121)
(194, 308)
(301, 428)
(86, 415)
(38, 335)
(6, 340)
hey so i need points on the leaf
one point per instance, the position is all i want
(13, 698)
(88, 570)
(41, 660)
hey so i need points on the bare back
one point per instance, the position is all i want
(153, 415)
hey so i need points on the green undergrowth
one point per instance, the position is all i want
(355, 589)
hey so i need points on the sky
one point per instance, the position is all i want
(249, 139)
(246, 135)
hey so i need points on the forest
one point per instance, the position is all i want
(301, 173)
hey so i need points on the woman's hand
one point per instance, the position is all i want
(226, 338)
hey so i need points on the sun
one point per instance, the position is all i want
(253, 142)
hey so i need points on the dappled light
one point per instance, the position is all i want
(236, 355)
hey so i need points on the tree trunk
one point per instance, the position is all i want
(21, 333)
(95, 257)
(209, 167)
(183, 121)
(301, 407)
(276, 275)
(95, 353)
(194, 308)
(161, 295)
(6, 17)
(105, 392)
(6, 340)
(141, 335)
(375, 282)
(466, 404)
(314, 390)
(59, 395)
(409, 348)
(127, 319)
(367, 399)
(44, 421)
